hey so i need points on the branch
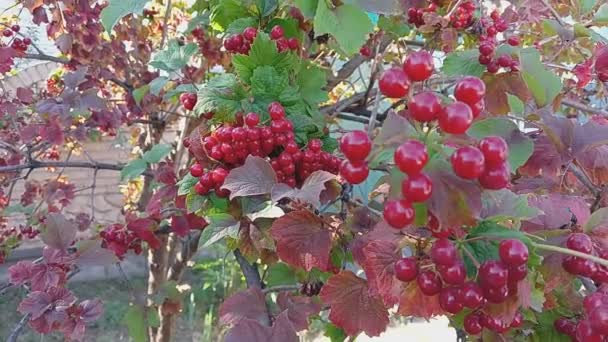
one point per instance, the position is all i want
(583, 178)
(88, 165)
(18, 328)
(43, 57)
(165, 22)
(584, 108)
(280, 288)
(554, 12)
(250, 271)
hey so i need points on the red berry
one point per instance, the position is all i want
(293, 43)
(580, 242)
(453, 274)
(411, 157)
(365, 51)
(252, 119)
(429, 283)
(200, 189)
(27, 41)
(188, 100)
(517, 320)
(419, 65)
(456, 118)
(472, 324)
(493, 67)
(444, 252)
(599, 319)
(601, 275)
(398, 213)
(514, 41)
(594, 301)
(484, 59)
(276, 111)
(470, 90)
(282, 44)
(417, 187)
(467, 162)
(504, 61)
(425, 106)
(219, 175)
(406, 269)
(477, 108)
(495, 177)
(493, 274)
(250, 33)
(565, 326)
(394, 83)
(496, 294)
(449, 300)
(494, 149)
(196, 170)
(494, 324)
(486, 49)
(315, 145)
(207, 180)
(517, 273)
(355, 145)
(472, 296)
(513, 252)
(586, 333)
(276, 32)
(579, 266)
(15, 28)
(354, 172)
(7, 33)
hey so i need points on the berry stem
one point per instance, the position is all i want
(471, 256)
(568, 251)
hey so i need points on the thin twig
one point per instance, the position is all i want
(281, 288)
(18, 328)
(554, 12)
(165, 23)
(584, 108)
(583, 178)
(89, 165)
(43, 57)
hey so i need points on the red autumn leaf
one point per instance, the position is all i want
(37, 303)
(301, 240)
(506, 310)
(299, 309)
(352, 307)
(414, 303)
(557, 211)
(20, 273)
(544, 160)
(379, 262)
(252, 331)
(601, 62)
(58, 232)
(582, 71)
(381, 232)
(25, 95)
(497, 88)
(179, 225)
(247, 304)
(255, 177)
(160, 199)
(144, 229)
(310, 192)
(52, 132)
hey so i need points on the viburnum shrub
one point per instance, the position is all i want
(415, 159)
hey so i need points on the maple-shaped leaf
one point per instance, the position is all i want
(582, 71)
(144, 229)
(58, 232)
(395, 129)
(252, 331)
(52, 132)
(37, 303)
(160, 199)
(255, 177)
(544, 161)
(454, 201)
(556, 211)
(298, 308)
(90, 310)
(90, 252)
(253, 241)
(504, 205)
(415, 304)
(301, 240)
(497, 88)
(20, 273)
(310, 192)
(352, 307)
(379, 267)
(246, 304)
(382, 231)
(506, 310)
(597, 227)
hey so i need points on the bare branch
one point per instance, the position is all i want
(584, 108)
(281, 288)
(43, 57)
(165, 23)
(18, 328)
(87, 165)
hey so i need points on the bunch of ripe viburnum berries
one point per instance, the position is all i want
(241, 42)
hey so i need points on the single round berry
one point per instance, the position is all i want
(579, 266)
(495, 177)
(406, 269)
(276, 111)
(494, 149)
(411, 157)
(444, 252)
(472, 324)
(456, 118)
(477, 108)
(7, 33)
(565, 326)
(513, 252)
(15, 28)
(514, 41)
(486, 49)
(188, 100)
(355, 145)
(449, 300)
(293, 43)
(517, 321)
(398, 213)
(419, 65)
(394, 83)
(470, 90)
(518, 273)
(453, 274)
(504, 61)
(354, 172)
(424, 106)
(429, 283)
(250, 33)
(472, 296)
(276, 32)
(580, 242)
(200, 189)
(468, 162)
(496, 294)
(601, 275)
(252, 119)
(365, 51)
(417, 187)
(196, 170)
(493, 274)
(219, 175)
(586, 333)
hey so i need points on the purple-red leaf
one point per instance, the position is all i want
(25, 95)
(144, 228)
(414, 303)
(255, 177)
(246, 304)
(299, 309)
(252, 331)
(379, 266)
(557, 210)
(58, 233)
(352, 307)
(302, 240)
(310, 192)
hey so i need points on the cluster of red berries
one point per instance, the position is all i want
(213, 179)
(487, 163)
(188, 100)
(415, 16)
(241, 42)
(463, 15)
(119, 239)
(594, 326)
(395, 82)
(355, 146)
(581, 242)
(496, 281)
(488, 43)
(17, 44)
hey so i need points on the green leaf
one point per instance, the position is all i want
(158, 84)
(515, 104)
(194, 202)
(384, 156)
(329, 144)
(133, 169)
(586, 6)
(543, 84)
(174, 56)
(395, 25)
(117, 9)
(349, 24)
(220, 226)
(135, 320)
(280, 274)
(200, 19)
(186, 184)
(503, 205)
(335, 333)
(463, 63)
(307, 7)
(291, 27)
(266, 7)
(520, 146)
(182, 88)
(227, 11)
(239, 25)
(601, 16)
(267, 83)
(545, 331)
(140, 92)
(221, 95)
(157, 153)
(311, 80)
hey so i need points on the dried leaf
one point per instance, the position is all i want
(255, 177)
